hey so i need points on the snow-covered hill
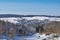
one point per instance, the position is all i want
(40, 18)
(11, 19)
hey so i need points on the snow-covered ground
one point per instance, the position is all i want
(15, 20)
(36, 17)
(11, 19)
(42, 18)
(37, 36)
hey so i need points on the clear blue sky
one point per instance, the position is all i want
(30, 7)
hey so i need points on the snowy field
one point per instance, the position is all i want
(32, 39)
(15, 20)
(35, 37)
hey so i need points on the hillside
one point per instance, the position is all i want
(52, 27)
(29, 23)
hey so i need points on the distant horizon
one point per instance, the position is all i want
(28, 14)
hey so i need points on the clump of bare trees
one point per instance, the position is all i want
(52, 27)
(10, 29)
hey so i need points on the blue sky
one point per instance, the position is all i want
(30, 7)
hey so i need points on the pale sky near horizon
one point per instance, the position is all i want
(30, 7)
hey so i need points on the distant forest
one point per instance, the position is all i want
(14, 15)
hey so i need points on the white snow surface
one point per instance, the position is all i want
(42, 18)
(43, 36)
(36, 17)
(14, 19)
(11, 19)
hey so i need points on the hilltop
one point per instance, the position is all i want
(17, 15)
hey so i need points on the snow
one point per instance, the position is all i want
(11, 19)
(54, 19)
(42, 18)
(15, 19)
(43, 36)
(36, 17)
(34, 37)
(40, 36)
